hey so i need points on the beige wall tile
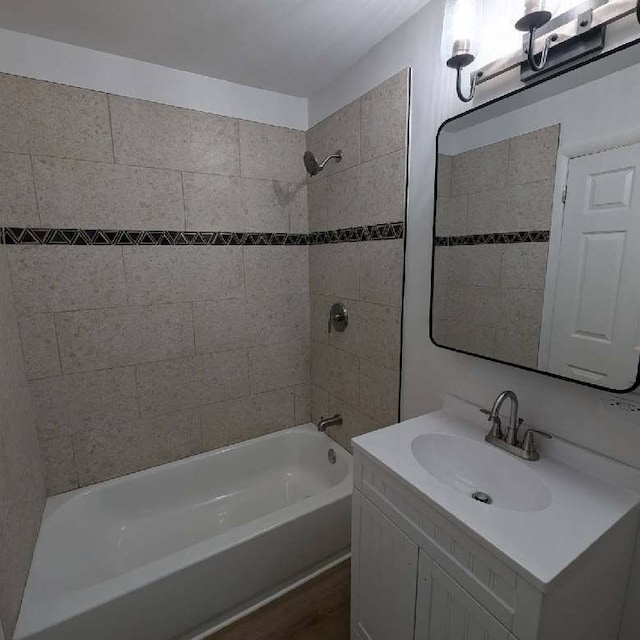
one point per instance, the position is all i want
(336, 371)
(278, 319)
(445, 164)
(383, 187)
(278, 366)
(319, 403)
(107, 338)
(302, 403)
(320, 309)
(381, 272)
(18, 206)
(345, 199)
(299, 209)
(66, 405)
(517, 348)
(213, 202)
(268, 205)
(39, 346)
(524, 266)
(22, 491)
(50, 278)
(373, 333)
(475, 338)
(223, 326)
(93, 195)
(190, 382)
(453, 219)
(379, 393)
(243, 418)
(271, 153)
(276, 270)
(157, 275)
(354, 422)
(124, 448)
(480, 264)
(237, 324)
(531, 205)
(43, 118)
(59, 465)
(480, 169)
(524, 310)
(318, 205)
(384, 117)
(532, 156)
(334, 270)
(239, 204)
(339, 132)
(149, 134)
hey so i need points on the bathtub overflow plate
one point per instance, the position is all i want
(332, 456)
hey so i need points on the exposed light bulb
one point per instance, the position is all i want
(462, 25)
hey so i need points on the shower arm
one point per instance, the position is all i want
(337, 156)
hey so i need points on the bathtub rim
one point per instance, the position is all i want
(44, 610)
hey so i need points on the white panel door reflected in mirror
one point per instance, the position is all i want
(537, 233)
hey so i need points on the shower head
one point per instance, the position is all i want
(314, 167)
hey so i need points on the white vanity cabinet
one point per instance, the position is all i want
(416, 575)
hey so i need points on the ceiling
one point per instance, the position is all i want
(294, 47)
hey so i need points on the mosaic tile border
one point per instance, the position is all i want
(106, 237)
(514, 237)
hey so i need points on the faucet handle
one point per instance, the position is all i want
(496, 424)
(529, 443)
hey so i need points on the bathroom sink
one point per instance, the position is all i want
(481, 472)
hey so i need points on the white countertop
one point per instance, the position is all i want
(590, 493)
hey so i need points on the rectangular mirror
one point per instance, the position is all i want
(537, 232)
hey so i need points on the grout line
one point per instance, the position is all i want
(184, 201)
(35, 188)
(57, 336)
(113, 144)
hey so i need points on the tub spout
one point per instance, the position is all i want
(325, 423)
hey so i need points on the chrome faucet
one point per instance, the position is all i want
(509, 441)
(514, 421)
(325, 423)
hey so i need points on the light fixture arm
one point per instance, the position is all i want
(472, 91)
(539, 66)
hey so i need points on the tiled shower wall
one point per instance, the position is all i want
(140, 355)
(489, 291)
(357, 373)
(22, 490)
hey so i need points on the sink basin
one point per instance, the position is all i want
(476, 468)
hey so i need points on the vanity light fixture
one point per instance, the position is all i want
(536, 15)
(556, 33)
(459, 41)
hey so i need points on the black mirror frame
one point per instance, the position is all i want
(546, 78)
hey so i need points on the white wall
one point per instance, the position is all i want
(44, 59)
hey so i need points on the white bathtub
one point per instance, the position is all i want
(181, 550)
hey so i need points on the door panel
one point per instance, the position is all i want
(596, 313)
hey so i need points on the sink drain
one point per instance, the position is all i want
(480, 496)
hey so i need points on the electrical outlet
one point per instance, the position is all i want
(623, 406)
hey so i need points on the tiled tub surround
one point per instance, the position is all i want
(140, 350)
(492, 244)
(22, 491)
(357, 373)
(139, 355)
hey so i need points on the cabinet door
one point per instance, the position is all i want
(445, 611)
(384, 575)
